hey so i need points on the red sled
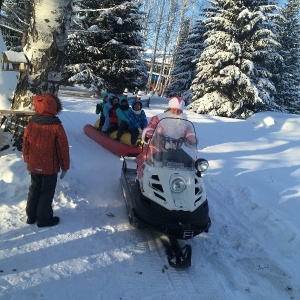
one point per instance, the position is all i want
(108, 142)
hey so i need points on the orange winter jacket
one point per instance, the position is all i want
(45, 145)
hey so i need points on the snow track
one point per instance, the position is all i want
(94, 253)
(234, 245)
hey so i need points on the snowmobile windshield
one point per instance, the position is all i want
(173, 144)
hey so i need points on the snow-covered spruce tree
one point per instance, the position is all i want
(121, 64)
(14, 22)
(185, 68)
(84, 41)
(234, 79)
(177, 57)
(45, 48)
(288, 79)
(108, 35)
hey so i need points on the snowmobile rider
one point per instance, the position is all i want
(175, 110)
(45, 151)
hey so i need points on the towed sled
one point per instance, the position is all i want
(121, 148)
(167, 194)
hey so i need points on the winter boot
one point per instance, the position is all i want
(31, 220)
(48, 223)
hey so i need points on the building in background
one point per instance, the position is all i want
(160, 70)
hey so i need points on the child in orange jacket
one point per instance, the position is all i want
(45, 150)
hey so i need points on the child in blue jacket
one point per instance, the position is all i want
(122, 113)
(137, 121)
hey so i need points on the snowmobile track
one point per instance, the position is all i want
(184, 279)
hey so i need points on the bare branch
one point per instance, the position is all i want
(11, 28)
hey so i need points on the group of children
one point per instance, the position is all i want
(117, 115)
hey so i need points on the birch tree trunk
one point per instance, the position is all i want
(170, 29)
(158, 26)
(147, 18)
(45, 49)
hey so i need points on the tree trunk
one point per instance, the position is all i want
(45, 49)
(155, 42)
(149, 10)
(180, 29)
(173, 10)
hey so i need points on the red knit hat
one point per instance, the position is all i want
(46, 104)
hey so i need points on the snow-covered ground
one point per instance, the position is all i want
(250, 252)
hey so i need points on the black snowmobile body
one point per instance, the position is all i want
(167, 193)
(143, 212)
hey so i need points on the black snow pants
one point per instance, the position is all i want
(122, 127)
(40, 196)
(112, 127)
(134, 135)
(102, 121)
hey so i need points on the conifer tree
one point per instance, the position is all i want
(185, 67)
(83, 46)
(14, 22)
(234, 78)
(107, 40)
(288, 70)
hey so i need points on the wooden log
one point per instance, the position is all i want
(16, 112)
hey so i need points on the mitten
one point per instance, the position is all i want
(27, 167)
(63, 174)
(98, 109)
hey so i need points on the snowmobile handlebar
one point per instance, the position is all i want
(171, 144)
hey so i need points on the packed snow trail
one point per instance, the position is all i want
(94, 253)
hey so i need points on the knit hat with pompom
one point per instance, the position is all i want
(176, 102)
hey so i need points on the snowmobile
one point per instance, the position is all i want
(167, 192)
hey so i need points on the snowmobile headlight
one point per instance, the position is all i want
(201, 164)
(178, 185)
